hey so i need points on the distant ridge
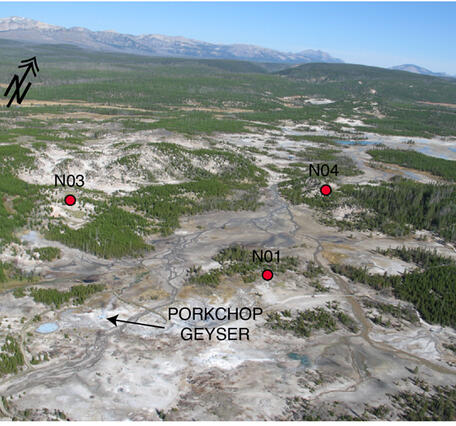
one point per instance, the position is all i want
(325, 73)
(418, 70)
(23, 29)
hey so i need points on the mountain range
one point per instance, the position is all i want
(23, 29)
(29, 30)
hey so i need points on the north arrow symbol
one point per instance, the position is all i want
(28, 64)
(114, 320)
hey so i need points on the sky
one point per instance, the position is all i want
(380, 34)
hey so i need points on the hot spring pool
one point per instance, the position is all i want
(305, 361)
(47, 327)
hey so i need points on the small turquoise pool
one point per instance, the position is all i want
(47, 327)
(305, 361)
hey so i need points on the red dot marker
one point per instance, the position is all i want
(325, 190)
(70, 200)
(267, 275)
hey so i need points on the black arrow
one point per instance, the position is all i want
(114, 320)
(30, 64)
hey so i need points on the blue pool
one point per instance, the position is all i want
(358, 142)
(47, 327)
(428, 151)
(305, 361)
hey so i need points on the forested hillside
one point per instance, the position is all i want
(115, 79)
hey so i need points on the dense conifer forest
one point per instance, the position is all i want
(53, 297)
(11, 357)
(416, 160)
(432, 291)
(421, 257)
(402, 206)
(302, 323)
(395, 208)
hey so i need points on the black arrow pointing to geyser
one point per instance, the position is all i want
(114, 320)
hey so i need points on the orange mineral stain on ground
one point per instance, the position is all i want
(332, 252)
